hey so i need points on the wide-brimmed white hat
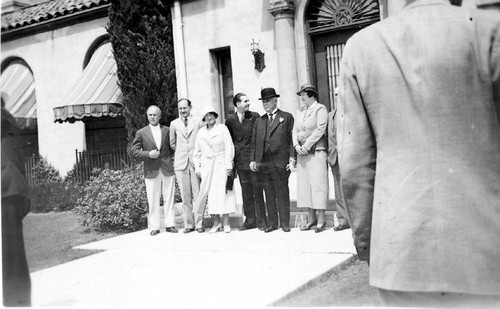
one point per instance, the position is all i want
(209, 109)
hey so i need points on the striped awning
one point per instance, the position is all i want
(18, 94)
(96, 93)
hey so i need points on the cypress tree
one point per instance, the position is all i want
(141, 37)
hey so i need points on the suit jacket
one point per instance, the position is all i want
(309, 128)
(279, 145)
(241, 133)
(419, 148)
(182, 140)
(332, 137)
(144, 142)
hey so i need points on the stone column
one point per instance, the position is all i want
(179, 53)
(283, 12)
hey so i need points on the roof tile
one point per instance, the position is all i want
(46, 11)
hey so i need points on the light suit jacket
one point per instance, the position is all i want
(332, 137)
(309, 128)
(144, 142)
(182, 141)
(419, 148)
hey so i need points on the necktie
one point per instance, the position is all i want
(270, 119)
(185, 122)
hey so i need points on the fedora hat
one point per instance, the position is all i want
(209, 109)
(268, 93)
(307, 87)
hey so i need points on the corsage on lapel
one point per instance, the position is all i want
(282, 119)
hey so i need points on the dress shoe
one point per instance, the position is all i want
(188, 230)
(320, 229)
(270, 229)
(171, 229)
(245, 227)
(262, 228)
(154, 232)
(215, 229)
(341, 227)
(200, 230)
(286, 229)
(227, 229)
(309, 226)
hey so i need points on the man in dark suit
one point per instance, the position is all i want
(151, 145)
(15, 206)
(271, 156)
(240, 127)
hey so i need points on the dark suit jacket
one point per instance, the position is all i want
(144, 142)
(279, 145)
(241, 133)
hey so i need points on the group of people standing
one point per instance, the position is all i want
(261, 151)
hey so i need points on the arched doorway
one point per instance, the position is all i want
(19, 98)
(330, 24)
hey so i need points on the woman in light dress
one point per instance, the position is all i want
(213, 160)
(311, 145)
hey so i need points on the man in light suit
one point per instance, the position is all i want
(151, 145)
(183, 132)
(419, 151)
(271, 156)
(343, 223)
(240, 126)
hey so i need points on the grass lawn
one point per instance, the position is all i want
(50, 237)
(346, 287)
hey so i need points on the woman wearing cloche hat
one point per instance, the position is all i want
(213, 160)
(309, 140)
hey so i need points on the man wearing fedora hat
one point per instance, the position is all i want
(271, 156)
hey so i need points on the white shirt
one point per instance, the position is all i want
(240, 116)
(156, 135)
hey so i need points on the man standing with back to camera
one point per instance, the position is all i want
(419, 149)
(240, 126)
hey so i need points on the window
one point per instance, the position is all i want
(224, 81)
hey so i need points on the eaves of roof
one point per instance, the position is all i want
(50, 14)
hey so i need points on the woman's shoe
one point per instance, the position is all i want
(215, 228)
(309, 226)
(320, 229)
(227, 229)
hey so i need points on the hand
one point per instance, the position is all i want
(154, 154)
(229, 172)
(300, 150)
(291, 164)
(253, 166)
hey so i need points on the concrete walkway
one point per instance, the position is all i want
(248, 269)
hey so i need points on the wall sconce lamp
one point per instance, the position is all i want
(258, 56)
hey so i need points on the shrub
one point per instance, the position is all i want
(50, 193)
(114, 200)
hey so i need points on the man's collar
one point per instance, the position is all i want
(274, 111)
(154, 127)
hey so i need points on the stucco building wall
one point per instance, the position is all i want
(56, 58)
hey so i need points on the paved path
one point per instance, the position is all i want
(241, 269)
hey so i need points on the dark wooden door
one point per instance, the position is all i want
(328, 50)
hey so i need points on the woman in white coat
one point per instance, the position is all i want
(311, 145)
(213, 159)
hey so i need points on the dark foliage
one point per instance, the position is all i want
(141, 36)
(50, 192)
(115, 200)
